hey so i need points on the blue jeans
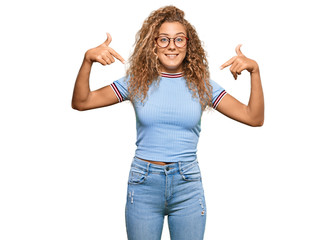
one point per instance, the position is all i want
(174, 190)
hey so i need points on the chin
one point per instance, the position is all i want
(171, 69)
(176, 67)
(171, 64)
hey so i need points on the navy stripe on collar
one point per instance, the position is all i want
(171, 75)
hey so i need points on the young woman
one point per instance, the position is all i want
(169, 86)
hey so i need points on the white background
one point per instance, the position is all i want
(63, 173)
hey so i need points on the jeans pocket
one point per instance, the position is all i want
(191, 172)
(137, 175)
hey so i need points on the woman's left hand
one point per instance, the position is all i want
(240, 63)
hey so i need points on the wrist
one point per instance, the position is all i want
(255, 69)
(87, 58)
(255, 75)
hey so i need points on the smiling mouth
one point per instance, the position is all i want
(171, 55)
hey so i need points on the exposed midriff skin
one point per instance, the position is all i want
(155, 162)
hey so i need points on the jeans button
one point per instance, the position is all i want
(167, 168)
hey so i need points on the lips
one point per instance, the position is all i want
(171, 56)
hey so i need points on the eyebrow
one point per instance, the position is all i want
(175, 33)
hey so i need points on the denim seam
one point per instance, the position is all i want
(189, 166)
(145, 175)
(184, 177)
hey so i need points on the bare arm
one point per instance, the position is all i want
(83, 98)
(253, 113)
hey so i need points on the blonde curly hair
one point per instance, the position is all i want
(144, 66)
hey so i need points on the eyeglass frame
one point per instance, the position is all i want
(169, 41)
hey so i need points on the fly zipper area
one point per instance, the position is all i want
(169, 184)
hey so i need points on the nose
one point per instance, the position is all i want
(171, 44)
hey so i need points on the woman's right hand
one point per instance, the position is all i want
(103, 53)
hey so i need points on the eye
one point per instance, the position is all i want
(163, 39)
(179, 39)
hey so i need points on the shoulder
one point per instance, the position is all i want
(120, 87)
(214, 84)
(123, 80)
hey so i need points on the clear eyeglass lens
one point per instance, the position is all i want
(180, 41)
(164, 41)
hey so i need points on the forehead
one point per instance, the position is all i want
(172, 28)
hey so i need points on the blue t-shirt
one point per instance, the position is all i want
(168, 123)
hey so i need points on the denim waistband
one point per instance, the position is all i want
(175, 166)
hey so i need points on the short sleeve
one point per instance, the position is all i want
(218, 92)
(120, 87)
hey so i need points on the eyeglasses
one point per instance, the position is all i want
(164, 42)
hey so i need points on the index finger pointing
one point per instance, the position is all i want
(228, 63)
(116, 55)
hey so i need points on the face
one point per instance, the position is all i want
(171, 57)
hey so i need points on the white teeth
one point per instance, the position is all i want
(170, 55)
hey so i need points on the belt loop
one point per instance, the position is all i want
(147, 170)
(180, 168)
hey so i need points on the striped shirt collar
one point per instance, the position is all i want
(171, 75)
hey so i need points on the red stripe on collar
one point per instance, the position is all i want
(171, 75)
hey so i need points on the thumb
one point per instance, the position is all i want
(239, 53)
(108, 40)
